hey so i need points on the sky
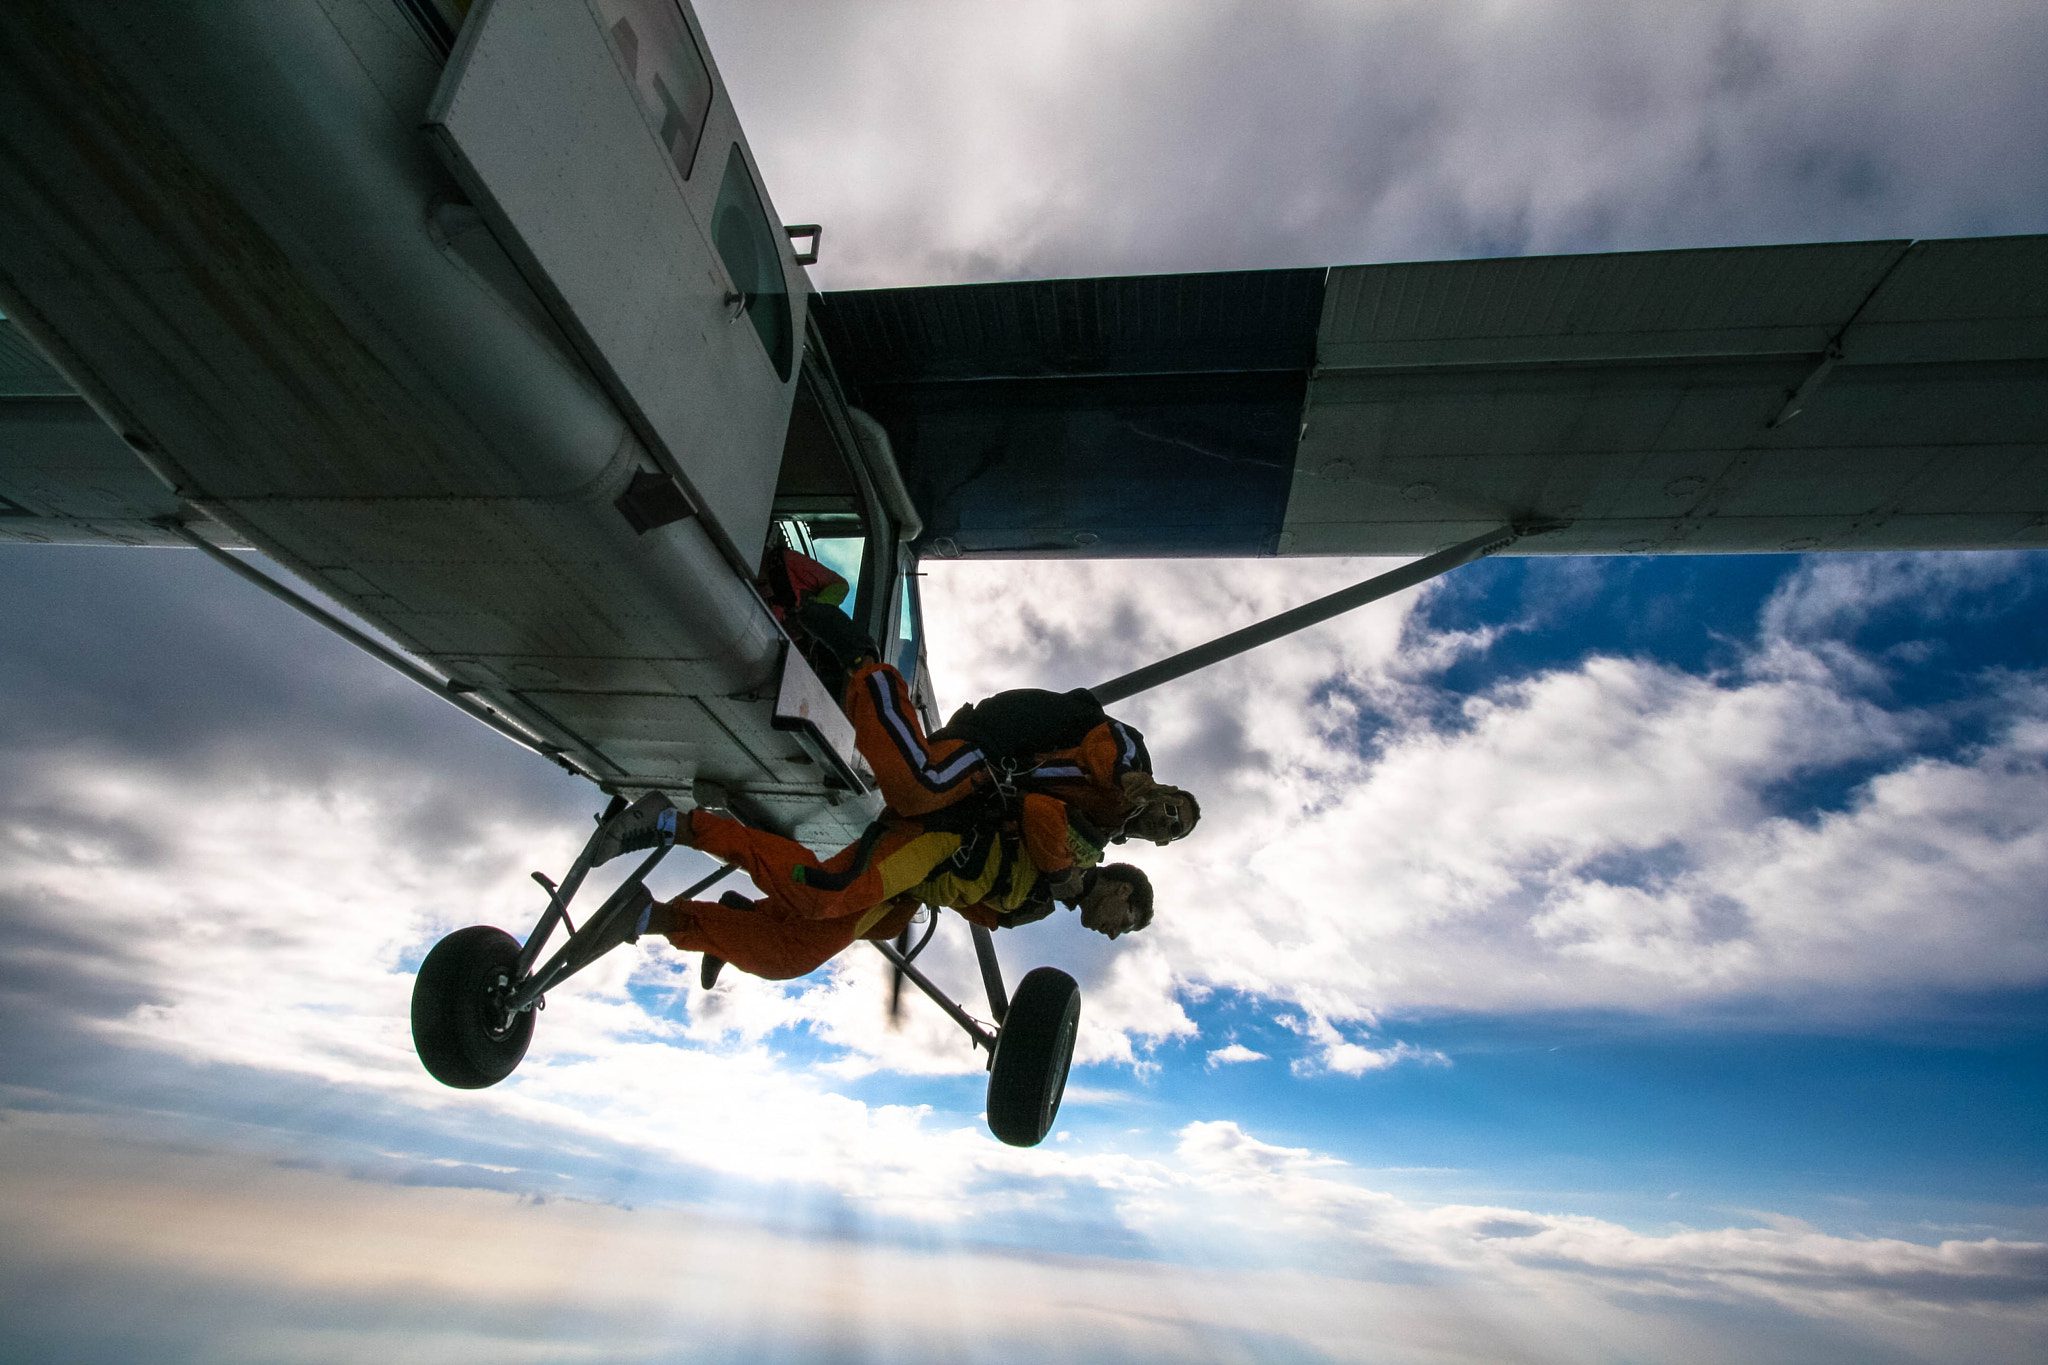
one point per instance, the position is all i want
(1580, 959)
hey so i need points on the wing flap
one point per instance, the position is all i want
(1636, 306)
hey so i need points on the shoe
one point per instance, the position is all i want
(647, 823)
(621, 919)
(708, 970)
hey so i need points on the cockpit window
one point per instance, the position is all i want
(909, 623)
(752, 253)
(667, 71)
(840, 544)
(824, 509)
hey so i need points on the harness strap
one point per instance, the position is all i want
(838, 881)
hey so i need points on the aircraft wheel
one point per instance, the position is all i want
(461, 1036)
(1033, 1052)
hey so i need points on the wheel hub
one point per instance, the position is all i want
(499, 1017)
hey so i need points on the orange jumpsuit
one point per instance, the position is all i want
(767, 941)
(1088, 778)
(815, 908)
(918, 776)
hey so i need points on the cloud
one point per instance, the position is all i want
(1256, 1249)
(1609, 832)
(221, 947)
(1339, 1055)
(1233, 1054)
(1812, 1272)
(1602, 834)
(1803, 1269)
(156, 917)
(1354, 1059)
(233, 954)
(1833, 596)
(1082, 139)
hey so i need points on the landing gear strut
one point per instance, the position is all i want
(475, 996)
(1031, 1046)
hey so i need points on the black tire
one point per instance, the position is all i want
(1033, 1051)
(454, 1026)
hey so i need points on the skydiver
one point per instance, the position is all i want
(767, 939)
(1060, 744)
(813, 908)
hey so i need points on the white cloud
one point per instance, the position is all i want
(1355, 1059)
(1602, 835)
(266, 928)
(1233, 1054)
(1086, 139)
(1253, 1247)
(258, 930)
(1338, 1054)
(286, 965)
(1835, 594)
(1220, 1146)
(1605, 835)
(1307, 1195)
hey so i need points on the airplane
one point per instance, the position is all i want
(477, 321)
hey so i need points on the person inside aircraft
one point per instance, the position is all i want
(1061, 745)
(812, 908)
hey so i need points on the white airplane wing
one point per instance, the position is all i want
(1855, 395)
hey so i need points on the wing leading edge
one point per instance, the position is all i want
(1861, 395)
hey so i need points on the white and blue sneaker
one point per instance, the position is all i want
(649, 822)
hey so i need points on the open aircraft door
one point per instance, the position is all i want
(596, 140)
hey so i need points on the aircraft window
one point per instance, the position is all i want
(667, 72)
(753, 257)
(842, 555)
(822, 509)
(839, 543)
(909, 627)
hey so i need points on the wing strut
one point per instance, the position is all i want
(1310, 613)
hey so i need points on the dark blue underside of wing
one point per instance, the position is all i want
(1149, 416)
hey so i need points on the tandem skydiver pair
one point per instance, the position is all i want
(1000, 816)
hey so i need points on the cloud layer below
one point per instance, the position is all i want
(109, 1240)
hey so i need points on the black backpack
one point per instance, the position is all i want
(1017, 727)
(1014, 731)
